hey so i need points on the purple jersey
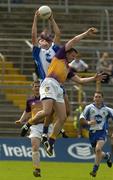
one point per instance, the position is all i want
(33, 105)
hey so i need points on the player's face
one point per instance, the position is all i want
(36, 89)
(98, 99)
(71, 56)
(44, 44)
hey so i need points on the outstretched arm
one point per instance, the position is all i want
(57, 36)
(96, 77)
(85, 122)
(34, 28)
(25, 116)
(71, 43)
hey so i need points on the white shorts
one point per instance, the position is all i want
(37, 130)
(50, 88)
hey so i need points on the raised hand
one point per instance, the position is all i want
(91, 31)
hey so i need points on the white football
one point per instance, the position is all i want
(44, 12)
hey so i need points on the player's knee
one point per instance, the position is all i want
(62, 120)
(48, 113)
(98, 150)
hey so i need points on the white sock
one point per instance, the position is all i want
(36, 158)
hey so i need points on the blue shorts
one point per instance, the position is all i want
(96, 136)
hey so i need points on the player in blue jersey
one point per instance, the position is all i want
(96, 116)
(44, 46)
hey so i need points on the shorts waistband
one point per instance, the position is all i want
(53, 79)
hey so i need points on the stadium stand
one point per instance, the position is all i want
(16, 21)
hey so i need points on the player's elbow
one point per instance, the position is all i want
(58, 33)
(83, 122)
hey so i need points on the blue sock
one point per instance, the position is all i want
(51, 141)
(45, 129)
(95, 168)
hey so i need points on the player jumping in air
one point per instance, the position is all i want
(51, 92)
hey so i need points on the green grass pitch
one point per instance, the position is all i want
(22, 170)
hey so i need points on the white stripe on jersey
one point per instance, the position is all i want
(46, 57)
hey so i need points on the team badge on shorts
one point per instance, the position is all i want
(47, 89)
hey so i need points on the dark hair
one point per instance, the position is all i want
(35, 82)
(45, 36)
(99, 92)
(71, 50)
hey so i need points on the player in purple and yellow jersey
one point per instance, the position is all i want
(33, 105)
(44, 49)
(51, 92)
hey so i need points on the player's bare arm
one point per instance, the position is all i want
(96, 77)
(87, 122)
(71, 43)
(24, 118)
(57, 36)
(34, 28)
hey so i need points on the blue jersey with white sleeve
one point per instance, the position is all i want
(101, 115)
(42, 59)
